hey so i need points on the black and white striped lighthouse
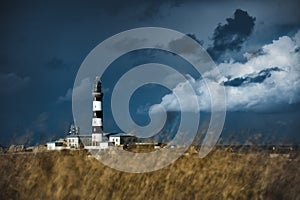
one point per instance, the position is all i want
(97, 123)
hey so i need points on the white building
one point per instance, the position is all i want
(73, 141)
(57, 145)
(116, 139)
(121, 139)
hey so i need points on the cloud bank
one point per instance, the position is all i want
(266, 81)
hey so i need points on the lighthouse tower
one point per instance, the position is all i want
(97, 125)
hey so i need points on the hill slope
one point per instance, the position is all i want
(221, 175)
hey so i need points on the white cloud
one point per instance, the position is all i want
(11, 82)
(66, 97)
(280, 88)
(79, 91)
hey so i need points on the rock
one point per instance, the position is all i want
(16, 148)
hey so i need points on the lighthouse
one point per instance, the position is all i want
(97, 122)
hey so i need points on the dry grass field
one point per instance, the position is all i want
(220, 175)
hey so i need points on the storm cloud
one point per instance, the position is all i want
(231, 36)
(252, 78)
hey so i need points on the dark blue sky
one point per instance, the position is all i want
(44, 43)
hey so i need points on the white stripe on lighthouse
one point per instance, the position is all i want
(97, 106)
(97, 122)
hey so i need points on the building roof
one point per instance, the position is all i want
(85, 135)
(69, 136)
(120, 135)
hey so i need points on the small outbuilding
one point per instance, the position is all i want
(119, 139)
(57, 145)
